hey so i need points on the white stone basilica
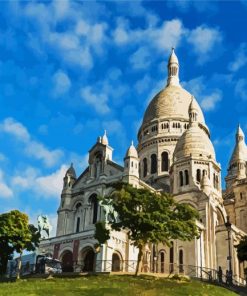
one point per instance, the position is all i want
(174, 154)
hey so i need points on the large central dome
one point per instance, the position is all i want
(171, 103)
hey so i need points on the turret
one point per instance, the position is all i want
(99, 154)
(173, 70)
(131, 166)
(193, 112)
(63, 210)
(69, 178)
(237, 164)
(205, 183)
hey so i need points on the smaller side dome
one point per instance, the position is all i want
(194, 142)
(132, 152)
(104, 140)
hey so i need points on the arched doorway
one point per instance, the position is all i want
(162, 262)
(88, 261)
(116, 262)
(67, 261)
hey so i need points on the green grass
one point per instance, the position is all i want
(113, 285)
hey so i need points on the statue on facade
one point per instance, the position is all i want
(110, 213)
(44, 225)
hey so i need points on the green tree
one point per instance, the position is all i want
(150, 217)
(16, 235)
(242, 249)
(102, 234)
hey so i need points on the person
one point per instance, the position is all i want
(227, 277)
(220, 274)
(230, 277)
(210, 276)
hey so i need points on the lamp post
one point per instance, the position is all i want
(228, 227)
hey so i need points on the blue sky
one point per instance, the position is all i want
(69, 70)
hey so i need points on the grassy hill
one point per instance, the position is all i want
(113, 285)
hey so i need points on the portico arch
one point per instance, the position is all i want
(116, 261)
(67, 261)
(88, 259)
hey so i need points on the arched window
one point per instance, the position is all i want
(94, 207)
(198, 175)
(78, 205)
(186, 177)
(181, 261)
(171, 258)
(78, 213)
(78, 224)
(214, 181)
(164, 162)
(145, 167)
(153, 163)
(181, 179)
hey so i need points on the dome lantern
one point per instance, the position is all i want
(173, 69)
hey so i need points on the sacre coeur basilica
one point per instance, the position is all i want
(174, 154)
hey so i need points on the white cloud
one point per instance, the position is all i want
(46, 186)
(5, 190)
(51, 185)
(32, 148)
(62, 83)
(15, 128)
(241, 88)
(207, 97)
(240, 58)
(204, 41)
(97, 101)
(140, 59)
(161, 38)
(169, 35)
(143, 84)
(209, 102)
(39, 151)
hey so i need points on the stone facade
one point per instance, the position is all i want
(174, 154)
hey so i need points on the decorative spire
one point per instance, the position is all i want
(131, 152)
(104, 139)
(173, 69)
(193, 111)
(237, 164)
(239, 134)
